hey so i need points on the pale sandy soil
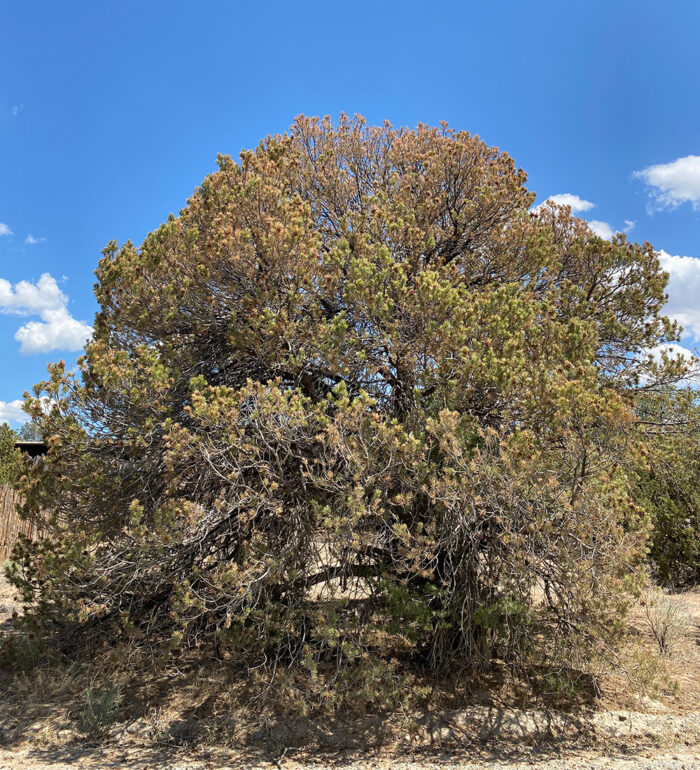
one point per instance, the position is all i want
(144, 760)
(624, 732)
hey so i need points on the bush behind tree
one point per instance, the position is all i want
(666, 476)
(10, 458)
(356, 407)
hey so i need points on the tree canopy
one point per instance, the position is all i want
(357, 393)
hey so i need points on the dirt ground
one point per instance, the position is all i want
(624, 730)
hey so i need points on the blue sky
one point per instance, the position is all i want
(112, 112)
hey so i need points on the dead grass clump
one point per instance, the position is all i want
(667, 618)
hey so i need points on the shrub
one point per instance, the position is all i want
(665, 475)
(355, 402)
(668, 620)
(100, 709)
(10, 458)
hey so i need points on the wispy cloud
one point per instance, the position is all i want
(30, 240)
(672, 184)
(606, 230)
(4, 229)
(16, 109)
(57, 330)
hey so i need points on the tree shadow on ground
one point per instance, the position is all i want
(199, 722)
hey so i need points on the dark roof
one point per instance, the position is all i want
(32, 448)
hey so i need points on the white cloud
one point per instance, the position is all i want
(25, 298)
(673, 183)
(672, 349)
(11, 411)
(568, 199)
(15, 111)
(57, 330)
(4, 229)
(683, 291)
(577, 204)
(30, 240)
(601, 229)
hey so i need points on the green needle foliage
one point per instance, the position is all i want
(10, 458)
(355, 407)
(666, 472)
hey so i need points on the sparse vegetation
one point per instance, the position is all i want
(668, 620)
(101, 709)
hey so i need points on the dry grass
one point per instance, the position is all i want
(669, 679)
(198, 706)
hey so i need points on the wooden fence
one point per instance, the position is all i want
(11, 526)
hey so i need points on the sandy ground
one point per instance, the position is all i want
(579, 762)
(142, 760)
(661, 734)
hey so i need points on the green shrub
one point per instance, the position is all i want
(666, 483)
(101, 709)
(10, 458)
